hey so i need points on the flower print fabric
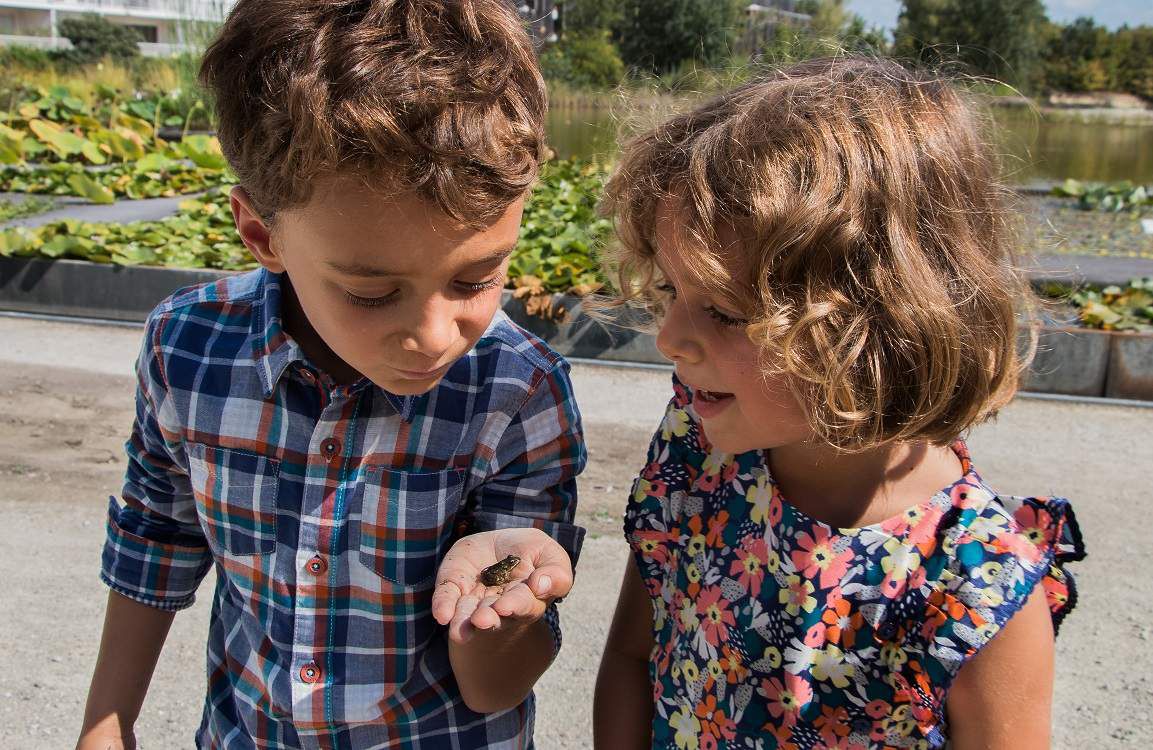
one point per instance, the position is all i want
(774, 630)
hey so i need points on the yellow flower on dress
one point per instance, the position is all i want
(829, 664)
(716, 461)
(759, 494)
(687, 727)
(676, 422)
(797, 595)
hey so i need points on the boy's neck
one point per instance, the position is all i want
(850, 490)
(297, 325)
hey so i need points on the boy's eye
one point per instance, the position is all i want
(356, 299)
(725, 320)
(476, 287)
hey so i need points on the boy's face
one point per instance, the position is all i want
(389, 288)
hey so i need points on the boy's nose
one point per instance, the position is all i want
(433, 334)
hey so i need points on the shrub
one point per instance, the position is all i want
(94, 38)
(585, 60)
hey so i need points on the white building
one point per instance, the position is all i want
(163, 24)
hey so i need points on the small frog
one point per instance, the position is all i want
(499, 573)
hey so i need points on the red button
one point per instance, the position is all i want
(310, 673)
(330, 448)
(316, 566)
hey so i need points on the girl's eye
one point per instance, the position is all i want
(667, 288)
(359, 301)
(476, 287)
(725, 320)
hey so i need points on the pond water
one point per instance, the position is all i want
(1036, 148)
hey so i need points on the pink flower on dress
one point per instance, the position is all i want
(749, 566)
(716, 619)
(786, 699)
(816, 556)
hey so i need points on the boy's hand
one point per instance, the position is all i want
(465, 604)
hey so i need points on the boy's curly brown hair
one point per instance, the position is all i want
(877, 266)
(441, 97)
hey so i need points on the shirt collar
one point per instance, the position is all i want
(273, 350)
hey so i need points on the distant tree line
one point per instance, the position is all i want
(1008, 40)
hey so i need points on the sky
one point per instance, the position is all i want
(1110, 13)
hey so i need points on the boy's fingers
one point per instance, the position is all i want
(459, 627)
(484, 617)
(518, 601)
(551, 581)
(444, 599)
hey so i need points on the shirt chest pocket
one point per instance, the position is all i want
(406, 521)
(235, 497)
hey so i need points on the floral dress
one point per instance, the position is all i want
(774, 630)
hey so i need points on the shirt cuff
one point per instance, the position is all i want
(567, 535)
(160, 574)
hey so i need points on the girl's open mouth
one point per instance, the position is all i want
(711, 403)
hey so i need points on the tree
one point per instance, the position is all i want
(1134, 51)
(659, 35)
(998, 38)
(589, 17)
(1079, 57)
(94, 38)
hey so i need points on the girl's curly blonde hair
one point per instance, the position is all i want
(877, 266)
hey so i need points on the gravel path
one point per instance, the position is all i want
(66, 405)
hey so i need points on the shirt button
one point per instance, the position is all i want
(310, 672)
(316, 566)
(307, 374)
(330, 448)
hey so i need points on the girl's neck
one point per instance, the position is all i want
(850, 490)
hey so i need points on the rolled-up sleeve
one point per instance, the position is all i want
(532, 478)
(155, 552)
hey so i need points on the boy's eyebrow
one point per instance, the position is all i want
(363, 269)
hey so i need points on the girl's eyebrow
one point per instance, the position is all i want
(375, 272)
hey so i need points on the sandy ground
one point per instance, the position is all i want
(66, 406)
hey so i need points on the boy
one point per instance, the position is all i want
(353, 433)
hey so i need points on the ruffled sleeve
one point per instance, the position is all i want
(1049, 524)
(997, 552)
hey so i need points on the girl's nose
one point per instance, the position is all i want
(677, 339)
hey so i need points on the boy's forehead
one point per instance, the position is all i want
(358, 230)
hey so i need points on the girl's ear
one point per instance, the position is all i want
(254, 233)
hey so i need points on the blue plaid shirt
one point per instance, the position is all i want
(326, 509)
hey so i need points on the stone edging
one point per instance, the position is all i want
(1072, 361)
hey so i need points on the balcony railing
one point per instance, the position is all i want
(191, 9)
(46, 42)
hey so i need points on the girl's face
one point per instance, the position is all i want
(740, 408)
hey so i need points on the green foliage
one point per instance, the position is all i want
(1115, 308)
(584, 60)
(94, 38)
(658, 35)
(560, 234)
(201, 236)
(155, 176)
(10, 210)
(561, 231)
(1113, 197)
(1077, 57)
(589, 16)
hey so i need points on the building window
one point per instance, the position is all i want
(150, 34)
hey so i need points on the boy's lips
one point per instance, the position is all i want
(421, 374)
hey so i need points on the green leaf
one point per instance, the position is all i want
(203, 151)
(86, 187)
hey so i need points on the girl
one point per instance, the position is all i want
(817, 562)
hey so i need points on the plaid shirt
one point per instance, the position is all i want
(326, 510)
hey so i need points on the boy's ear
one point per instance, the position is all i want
(254, 233)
